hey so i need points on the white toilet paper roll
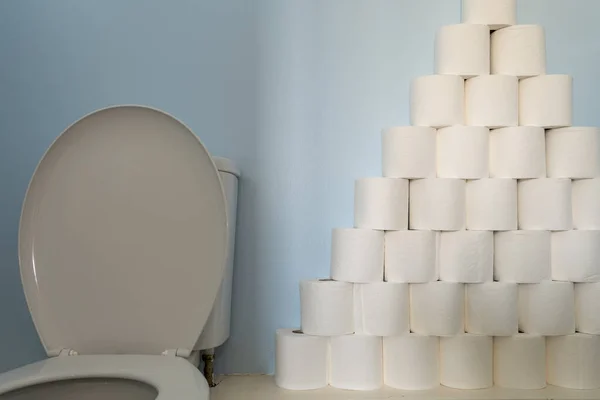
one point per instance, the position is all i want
(356, 362)
(546, 101)
(586, 197)
(520, 362)
(462, 152)
(519, 50)
(411, 362)
(437, 204)
(575, 256)
(437, 101)
(545, 204)
(587, 317)
(408, 152)
(466, 256)
(466, 361)
(301, 361)
(573, 152)
(492, 204)
(410, 256)
(491, 309)
(463, 49)
(357, 255)
(547, 308)
(492, 101)
(381, 309)
(381, 203)
(573, 361)
(496, 14)
(327, 307)
(522, 256)
(437, 308)
(518, 152)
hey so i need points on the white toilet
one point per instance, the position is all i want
(124, 239)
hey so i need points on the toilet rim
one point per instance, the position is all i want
(172, 377)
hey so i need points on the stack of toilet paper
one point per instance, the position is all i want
(475, 259)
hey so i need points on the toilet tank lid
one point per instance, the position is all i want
(123, 235)
(226, 165)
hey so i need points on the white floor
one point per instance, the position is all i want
(262, 387)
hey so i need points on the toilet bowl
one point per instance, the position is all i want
(105, 377)
(125, 233)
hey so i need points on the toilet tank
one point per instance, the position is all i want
(216, 330)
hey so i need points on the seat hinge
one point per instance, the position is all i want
(61, 352)
(183, 353)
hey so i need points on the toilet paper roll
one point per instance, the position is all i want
(519, 50)
(437, 308)
(463, 49)
(491, 309)
(575, 256)
(327, 307)
(357, 255)
(411, 362)
(301, 361)
(496, 14)
(410, 256)
(587, 298)
(462, 152)
(492, 101)
(573, 152)
(437, 204)
(437, 101)
(466, 361)
(573, 361)
(520, 362)
(585, 198)
(408, 152)
(546, 101)
(547, 308)
(381, 309)
(518, 152)
(522, 256)
(492, 204)
(587, 317)
(545, 204)
(356, 362)
(466, 256)
(381, 204)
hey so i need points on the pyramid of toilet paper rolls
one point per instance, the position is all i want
(475, 259)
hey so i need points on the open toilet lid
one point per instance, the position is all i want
(123, 235)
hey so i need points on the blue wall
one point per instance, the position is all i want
(296, 91)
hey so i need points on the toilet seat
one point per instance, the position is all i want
(123, 236)
(172, 377)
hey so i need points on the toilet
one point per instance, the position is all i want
(125, 251)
